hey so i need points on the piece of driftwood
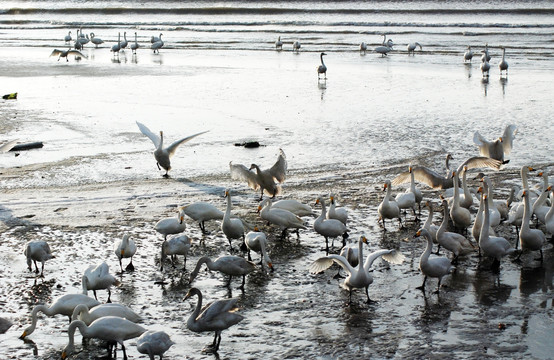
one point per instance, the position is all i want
(249, 144)
(28, 146)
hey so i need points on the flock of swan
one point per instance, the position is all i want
(116, 323)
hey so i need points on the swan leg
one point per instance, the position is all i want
(42, 269)
(124, 352)
(94, 292)
(36, 267)
(109, 296)
(184, 263)
(422, 287)
(243, 281)
(369, 301)
(120, 265)
(249, 257)
(130, 267)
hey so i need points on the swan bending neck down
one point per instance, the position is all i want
(230, 265)
(109, 328)
(216, 316)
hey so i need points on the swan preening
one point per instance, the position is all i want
(112, 329)
(215, 316)
(359, 276)
(163, 154)
(177, 245)
(154, 343)
(263, 180)
(280, 217)
(296, 46)
(37, 250)
(322, 69)
(65, 53)
(412, 46)
(98, 277)
(83, 313)
(498, 148)
(64, 305)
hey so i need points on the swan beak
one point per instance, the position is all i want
(539, 174)
(64, 355)
(188, 294)
(259, 209)
(480, 189)
(417, 234)
(317, 201)
(226, 193)
(332, 198)
(548, 188)
(181, 218)
(530, 168)
(255, 227)
(270, 265)
(384, 187)
(364, 239)
(23, 335)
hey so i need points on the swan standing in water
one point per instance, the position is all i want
(486, 57)
(63, 305)
(257, 241)
(485, 67)
(281, 217)
(329, 227)
(135, 45)
(215, 316)
(479, 218)
(408, 199)
(432, 267)
(466, 199)
(124, 43)
(455, 243)
(385, 48)
(37, 251)
(388, 208)
(279, 44)
(156, 46)
(492, 246)
(436, 181)
(263, 180)
(110, 328)
(429, 223)
(95, 40)
(336, 213)
(67, 38)
(412, 46)
(65, 53)
(117, 47)
(296, 46)
(359, 276)
(468, 55)
(229, 265)
(503, 65)
(322, 69)
(126, 248)
(529, 239)
(161, 154)
(154, 343)
(171, 225)
(82, 312)
(233, 228)
(461, 217)
(202, 212)
(98, 277)
(363, 47)
(498, 148)
(177, 245)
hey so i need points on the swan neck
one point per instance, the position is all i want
(427, 252)
(429, 220)
(444, 223)
(196, 312)
(484, 235)
(203, 260)
(526, 212)
(524, 178)
(360, 253)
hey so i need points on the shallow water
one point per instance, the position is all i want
(95, 179)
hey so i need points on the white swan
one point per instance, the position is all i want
(495, 217)
(67, 38)
(322, 69)
(294, 206)
(161, 154)
(359, 276)
(436, 181)
(37, 250)
(479, 218)
(363, 47)
(95, 40)
(126, 248)
(461, 217)
(156, 46)
(257, 241)
(428, 225)
(233, 228)
(124, 43)
(455, 243)
(171, 225)
(340, 214)
(529, 239)
(98, 277)
(116, 47)
(82, 312)
(296, 46)
(485, 67)
(154, 343)
(385, 48)
(468, 55)
(202, 212)
(109, 328)
(177, 245)
(388, 208)
(280, 217)
(412, 46)
(407, 200)
(135, 45)
(515, 215)
(154, 39)
(329, 227)
(65, 53)
(229, 265)
(486, 57)
(63, 305)
(263, 180)
(279, 44)
(503, 65)
(498, 148)
(540, 209)
(215, 316)
(492, 246)
(466, 199)
(432, 267)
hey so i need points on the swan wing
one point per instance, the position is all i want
(76, 52)
(212, 310)
(479, 140)
(324, 263)
(146, 131)
(392, 256)
(508, 138)
(428, 177)
(7, 146)
(279, 169)
(479, 162)
(171, 148)
(56, 52)
(241, 172)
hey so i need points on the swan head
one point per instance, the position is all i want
(323, 54)
(480, 189)
(539, 174)
(479, 176)
(449, 157)
(364, 239)
(227, 193)
(193, 291)
(410, 169)
(25, 333)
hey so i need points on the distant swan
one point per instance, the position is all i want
(412, 46)
(95, 40)
(67, 38)
(468, 55)
(279, 44)
(135, 45)
(37, 250)
(322, 69)
(503, 65)
(161, 154)
(156, 46)
(124, 43)
(66, 53)
(296, 46)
